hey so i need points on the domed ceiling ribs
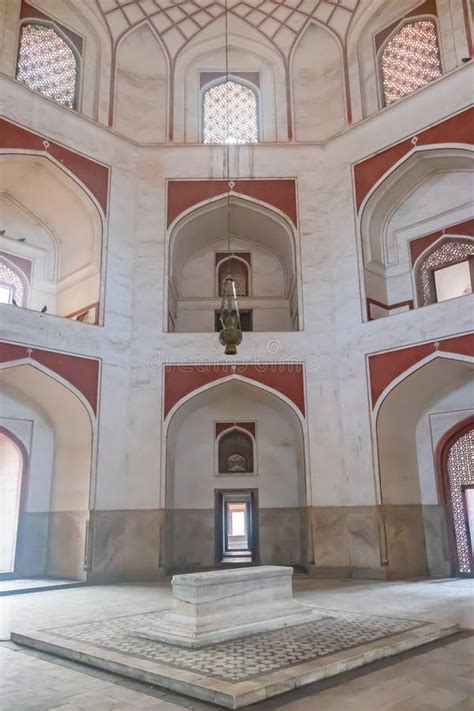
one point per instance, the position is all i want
(177, 22)
(180, 21)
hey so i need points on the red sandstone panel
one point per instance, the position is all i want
(222, 426)
(183, 194)
(457, 129)
(426, 8)
(28, 11)
(286, 378)
(81, 372)
(385, 367)
(417, 246)
(94, 175)
(246, 256)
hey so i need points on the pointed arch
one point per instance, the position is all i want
(319, 90)
(13, 283)
(230, 111)
(418, 37)
(240, 270)
(49, 61)
(66, 487)
(235, 451)
(141, 85)
(68, 252)
(254, 222)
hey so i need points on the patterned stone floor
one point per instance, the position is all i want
(245, 658)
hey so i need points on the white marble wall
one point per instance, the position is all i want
(133, 346)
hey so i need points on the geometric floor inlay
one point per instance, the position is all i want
(245, 658)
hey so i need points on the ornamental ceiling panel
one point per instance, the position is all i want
(179, 21)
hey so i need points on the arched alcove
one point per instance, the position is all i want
(141, 86)
(54, 231)
(374, 22)
(251, 59)
(318, 85)
(410, 419)
(85, 25)
(235, 451)
(57, 427)
(427, 191)
(198, 242)
(193, 479)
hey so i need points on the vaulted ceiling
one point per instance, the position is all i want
(178, 21)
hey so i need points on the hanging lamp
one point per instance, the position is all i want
(230, 334)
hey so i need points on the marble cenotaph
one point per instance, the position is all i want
(224, 605)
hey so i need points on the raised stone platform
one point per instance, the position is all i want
(244, 671)
(224, 605)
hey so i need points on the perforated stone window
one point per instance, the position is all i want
(410, 60)
(12, 289)
(450, 251)
(230, 114)
(235, 453)
(460, 466)
(48, 64)
(239, 271)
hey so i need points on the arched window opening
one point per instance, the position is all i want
(410, 60)
(460, 473)
(237, 269)
(48, 64)
(11, 469)
(236, 453)
(446, 272)
(12, 286)
(230, 114)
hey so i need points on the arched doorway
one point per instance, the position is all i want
(410, 417)
(456, 465)
(13, 463)
(60, 428)
(235, 466)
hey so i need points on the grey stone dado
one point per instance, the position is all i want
(373, 542)
(439, 550)
(125, 545)
(190, 538)
(381, 542)
(32, 544)
(283, 536)
(406, 544)
(66, 544)
(345, 541)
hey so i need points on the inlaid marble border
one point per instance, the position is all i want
(232, 694)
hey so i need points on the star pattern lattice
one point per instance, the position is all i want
(179, 21)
